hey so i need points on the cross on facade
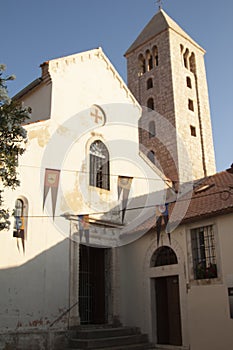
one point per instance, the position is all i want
(96, 115)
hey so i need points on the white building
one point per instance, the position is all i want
(82, 162)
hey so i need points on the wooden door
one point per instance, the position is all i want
(168, 310)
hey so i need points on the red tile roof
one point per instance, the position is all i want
(211, 196)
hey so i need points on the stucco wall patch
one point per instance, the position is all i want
(42, 136)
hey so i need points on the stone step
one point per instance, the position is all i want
(97, 333)
(142, 346)
(107, 337)
(109, 342)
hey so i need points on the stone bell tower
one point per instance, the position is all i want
(166, 73)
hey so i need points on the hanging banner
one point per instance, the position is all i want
(51, 181)
(83, 227)
(83, 222)
(124, 185)
(19, 231)
(162, 216)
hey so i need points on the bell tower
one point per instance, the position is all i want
(166, 73)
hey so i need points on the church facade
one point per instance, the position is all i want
(120, 217)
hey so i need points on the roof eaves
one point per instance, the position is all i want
(28, 88)
(195, 218)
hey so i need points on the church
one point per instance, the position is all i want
(121, 231)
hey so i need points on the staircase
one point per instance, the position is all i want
(108, 338)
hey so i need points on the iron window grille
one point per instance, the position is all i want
(203, 251)
(163, 256)
(99, 165)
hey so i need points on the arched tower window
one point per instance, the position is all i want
(99, 165)
(150, 103)
(188, 82)
(163, 256)
(149, 84)
(141, 65)
(149, 59)
(190, 105)
(151, 129)
(185, 57)
(155, 55)
(151, 156)
(192, 63)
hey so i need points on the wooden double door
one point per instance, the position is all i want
(168, 319)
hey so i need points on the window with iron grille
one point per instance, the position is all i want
(99, 165)
(203, 252)
(163, 256)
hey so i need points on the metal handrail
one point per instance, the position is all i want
(63, 314)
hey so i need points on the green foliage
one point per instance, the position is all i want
(203, 272)
(12, 142)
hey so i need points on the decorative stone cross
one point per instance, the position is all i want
(98, 114)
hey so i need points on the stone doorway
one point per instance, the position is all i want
(92, 285)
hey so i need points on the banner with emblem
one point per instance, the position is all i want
(162, 216)
(123, 187)
(51, 181)
(19, 231)
(83, 227)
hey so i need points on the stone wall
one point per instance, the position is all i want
(183, 144)
(34, 340)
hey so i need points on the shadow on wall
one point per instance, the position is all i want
(36, 293)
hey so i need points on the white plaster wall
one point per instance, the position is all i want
(83, 79)
(137, 294)
(36, 282)
(205, 315)
(210, 324)
(40, 110)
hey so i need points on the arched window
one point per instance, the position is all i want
(151, 129)
(149, 59)
(151, 156)
(150, 103)
(141, 65)
(192, 63)
(149, 84)
(190, 105)
(188, 82)
(99, 165)
(20, 215)
(185, 57)
(163, 256)
(193, 131)
(155, 55)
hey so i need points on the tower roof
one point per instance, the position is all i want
(159, 23)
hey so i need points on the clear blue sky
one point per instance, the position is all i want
(35, 31)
